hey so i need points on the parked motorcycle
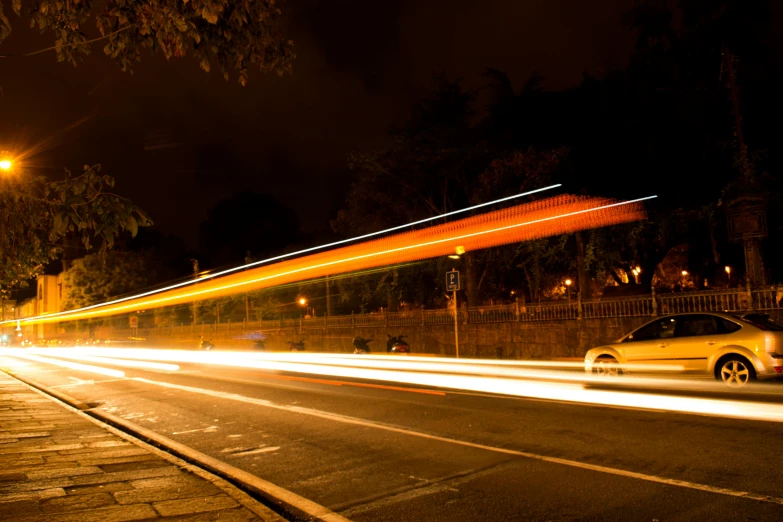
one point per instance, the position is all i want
(397, 344)
(361, 345)
(297, 347)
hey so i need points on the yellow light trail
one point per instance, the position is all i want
(571, 387)
(553, 216)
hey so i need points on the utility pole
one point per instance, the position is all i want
(328, 299)
(195, 303)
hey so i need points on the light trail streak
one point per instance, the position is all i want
(542, 218)
(517, 369)
(143, 365)
(221, 273)
(539, 385)
(18, 352)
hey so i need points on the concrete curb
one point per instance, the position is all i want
(67, 399)
(280, 500)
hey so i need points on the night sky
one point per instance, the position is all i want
(178, 140)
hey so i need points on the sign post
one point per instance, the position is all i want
(133, 321)
(452, 285)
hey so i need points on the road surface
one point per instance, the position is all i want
(373, 450)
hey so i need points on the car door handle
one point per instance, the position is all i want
(662, 345)
(710, 342)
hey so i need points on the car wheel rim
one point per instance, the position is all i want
(608, 368)
(735, 374)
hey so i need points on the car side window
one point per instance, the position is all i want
(660, 329)
(695, 325)
(726, 327)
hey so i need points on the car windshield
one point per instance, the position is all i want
(761, 321)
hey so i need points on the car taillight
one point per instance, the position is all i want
(778, 369)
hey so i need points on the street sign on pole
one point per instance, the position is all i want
(452, 285)
(452, 281)
(134, 321)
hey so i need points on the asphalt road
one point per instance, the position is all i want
(371, 451)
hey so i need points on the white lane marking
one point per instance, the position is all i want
(369, 424)
(208, 429)
(81, 382)
(255, 451)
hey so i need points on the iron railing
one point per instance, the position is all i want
(729, 300)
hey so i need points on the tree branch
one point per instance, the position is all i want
(75, 44)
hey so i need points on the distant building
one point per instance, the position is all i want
(48, 300)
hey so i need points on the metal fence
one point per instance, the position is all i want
(729, 300)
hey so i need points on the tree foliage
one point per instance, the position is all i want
(37, 216)
(97, 278)
(247, 222)
(234, 34)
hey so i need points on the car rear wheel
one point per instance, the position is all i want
(606, 366)
(736, 372)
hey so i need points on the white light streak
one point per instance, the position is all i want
(503, 379)
(18, 352)
(292, 254)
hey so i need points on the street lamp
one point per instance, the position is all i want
(728, 273)
(457, 252)
(684, 273)
(6, 161)
(302, 301)
(568, 284)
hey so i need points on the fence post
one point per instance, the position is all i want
(516, 309)
(750, 295)
(579, 306)
(654, 302)
(386, 317)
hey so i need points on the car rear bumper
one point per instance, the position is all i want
(770, 366)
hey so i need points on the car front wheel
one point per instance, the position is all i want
(606, 367)
(736, 372)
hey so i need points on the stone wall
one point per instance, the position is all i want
(512, 340)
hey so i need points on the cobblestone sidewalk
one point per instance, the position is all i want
(57, 466)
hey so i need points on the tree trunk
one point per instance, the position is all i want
(582, 278)
(471, 288)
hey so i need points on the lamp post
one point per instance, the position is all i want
(568, 284)
(728, 276)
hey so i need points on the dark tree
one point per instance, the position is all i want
(247, 223)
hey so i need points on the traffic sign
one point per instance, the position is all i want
(134, 321)
(452, 281)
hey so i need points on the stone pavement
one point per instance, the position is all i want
(58, 466)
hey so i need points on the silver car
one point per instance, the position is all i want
(736, 349)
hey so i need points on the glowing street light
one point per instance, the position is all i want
(6, 164)
(302, 301)
(684, 273)
(728, 270)
(568, 282)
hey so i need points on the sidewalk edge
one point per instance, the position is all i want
(277, 501)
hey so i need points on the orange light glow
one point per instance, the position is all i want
(543, 218)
